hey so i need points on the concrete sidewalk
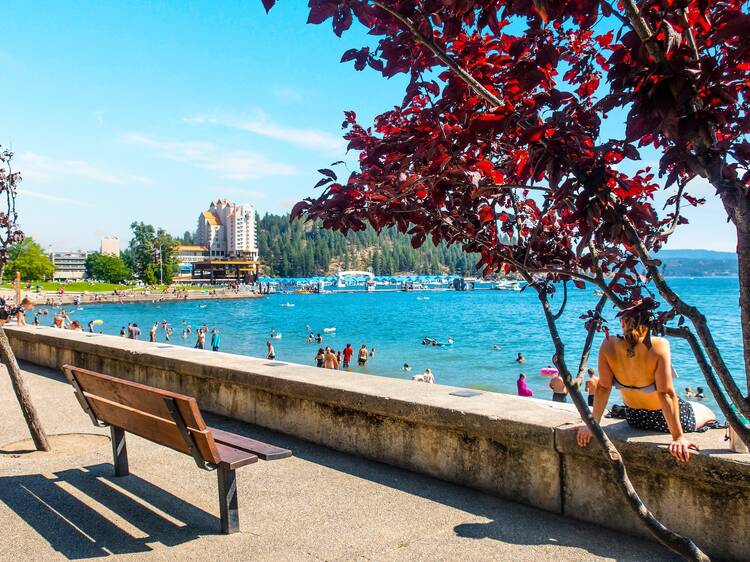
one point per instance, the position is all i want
(318, 505)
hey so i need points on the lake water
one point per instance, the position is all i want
(396, 322)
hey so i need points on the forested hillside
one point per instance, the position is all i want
(302, 250)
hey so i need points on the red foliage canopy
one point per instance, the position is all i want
(498, 145)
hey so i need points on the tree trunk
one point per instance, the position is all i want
(676, 542)
(742, 222)
(22, 393)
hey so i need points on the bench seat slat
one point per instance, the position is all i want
(231, 458)
(263, 450)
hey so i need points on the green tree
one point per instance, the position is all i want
(28, 258)
(148, 246)
(109, 268)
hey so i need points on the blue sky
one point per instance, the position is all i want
(123, 111)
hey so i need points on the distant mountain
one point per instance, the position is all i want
(697, 263)
(697, 255)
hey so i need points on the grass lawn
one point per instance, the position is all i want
(82, 286)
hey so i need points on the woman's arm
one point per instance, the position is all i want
(670, 404)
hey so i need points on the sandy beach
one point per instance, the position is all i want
(52, 298)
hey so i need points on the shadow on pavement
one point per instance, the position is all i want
(58, 509)
(78, 532)
(509, 522)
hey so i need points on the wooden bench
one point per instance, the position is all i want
(172, 420)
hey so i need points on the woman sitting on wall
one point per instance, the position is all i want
(641, 367)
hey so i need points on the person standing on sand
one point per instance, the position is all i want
(591, 385)
(348, 351)
(215, 340)
(26, 304)
(271, 351)
(559, 392)
(123, 333)
(362, 357)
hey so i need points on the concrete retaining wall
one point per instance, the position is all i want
(519, 448)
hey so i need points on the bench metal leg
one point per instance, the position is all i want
(119, 451)
(230, 515)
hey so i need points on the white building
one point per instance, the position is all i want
(69, 266)
(228, 230)
(110, 246)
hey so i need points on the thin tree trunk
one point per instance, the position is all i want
(742, 221)
(676, 542)
(22, 393)
(742, 431)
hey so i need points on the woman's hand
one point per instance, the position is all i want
(680, 449)
(584, 436)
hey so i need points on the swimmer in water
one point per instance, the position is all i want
(520, 358)
(496, 347)
(406, 368)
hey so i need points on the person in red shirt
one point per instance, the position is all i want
(347, 355)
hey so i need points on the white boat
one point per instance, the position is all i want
(287, 305)
(329, 330)
(507, 285)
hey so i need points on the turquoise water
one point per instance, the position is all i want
(395, 323)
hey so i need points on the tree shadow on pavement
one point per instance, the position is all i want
(70, 510)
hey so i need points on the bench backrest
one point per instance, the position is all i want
(143, 410)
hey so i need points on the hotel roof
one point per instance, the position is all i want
(189, 248)
(211, 218)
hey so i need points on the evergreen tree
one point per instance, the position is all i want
(296, 249)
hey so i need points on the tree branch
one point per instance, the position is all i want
(713, 384)
(676, 542)
(442, 56)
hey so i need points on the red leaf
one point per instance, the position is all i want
(605, 40)
(486, 214)
(326, 172)
(268, 4)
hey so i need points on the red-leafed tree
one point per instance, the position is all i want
(10, 234)
(498, 146)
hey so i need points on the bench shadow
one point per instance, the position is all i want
(509, 522)
(61, 510)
